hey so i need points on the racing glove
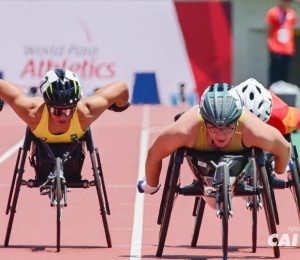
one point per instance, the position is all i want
(288, 168)
(116, 108)
(144, 187)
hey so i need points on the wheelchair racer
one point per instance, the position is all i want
(60, 115)
(219, 123)
(62, 111)
(270, 109)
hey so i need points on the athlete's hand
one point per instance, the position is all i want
(288, 168)
(144, 187)
(117, 108)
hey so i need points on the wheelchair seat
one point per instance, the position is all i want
(43, 165)
(203, 164)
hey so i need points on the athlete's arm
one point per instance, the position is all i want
(24, 106)
(179, 134)
(115, 93)
(258, 134)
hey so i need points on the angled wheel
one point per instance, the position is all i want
(169, 200)
(100, 193)
(254, 205)
(198, 220)
(254, 223)
(295, 178)
(269, 169)
(165, 190)
(268, 206)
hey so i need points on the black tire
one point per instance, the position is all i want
(169, 200)
(268, 208)
(254, 206)
(196, 202)
(254, 223)
(225, 209)
(102, 181)
(198, 220)
(165, 190)
(296, 179)
(58, 193)
(103, 211)
(272, 192)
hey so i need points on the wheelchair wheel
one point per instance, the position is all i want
(268, 206)
(225, 208)
(169, 200)
(103, 210)
(254, 206)
(58, 194)
(254, 223)
(198, 220)
(295, 188)
(166, 187)
(272, 192)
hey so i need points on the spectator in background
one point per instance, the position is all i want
(281, 20)
(33, 91)
(182, 97)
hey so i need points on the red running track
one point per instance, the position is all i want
(123, 139)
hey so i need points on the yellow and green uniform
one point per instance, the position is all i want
(42, 129)
(236, 143)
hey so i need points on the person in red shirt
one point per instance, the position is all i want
(281, 20)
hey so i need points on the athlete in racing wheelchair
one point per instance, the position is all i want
(272, 110)
(58, 125)
(222, 125)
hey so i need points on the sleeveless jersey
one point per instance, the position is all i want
(42, 130)
(236, 143)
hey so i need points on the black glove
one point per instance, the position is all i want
(1, 103)
(116, 108)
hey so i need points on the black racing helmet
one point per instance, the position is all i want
(218, 106)
(61, 88)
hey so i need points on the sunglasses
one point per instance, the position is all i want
(214, 129)
(58, 111)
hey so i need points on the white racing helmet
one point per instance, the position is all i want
(256, 98)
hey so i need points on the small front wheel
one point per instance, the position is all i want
(58, 170)
(225, 208)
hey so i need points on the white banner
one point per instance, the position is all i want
(102, 41)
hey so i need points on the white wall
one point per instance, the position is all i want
(102, 41)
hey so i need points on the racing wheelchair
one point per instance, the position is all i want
(220, 173)
(57, 169)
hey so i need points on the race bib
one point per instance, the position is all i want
(283, 35)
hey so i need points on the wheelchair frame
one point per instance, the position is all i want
(172, 188)
(59, 186)
(294, 178)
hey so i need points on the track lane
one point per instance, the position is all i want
(118, 137)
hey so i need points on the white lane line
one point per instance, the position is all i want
(137, 229)
(11, 151)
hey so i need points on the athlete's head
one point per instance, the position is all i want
(220, 109)
(219, 106)
(256, 98)
(61, 88)
(61, 91)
